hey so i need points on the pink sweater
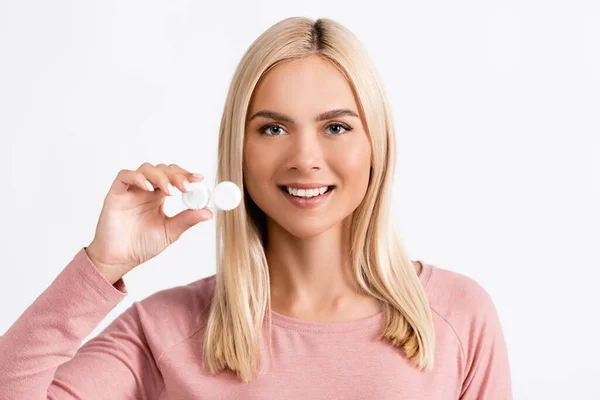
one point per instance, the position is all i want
(153, 349)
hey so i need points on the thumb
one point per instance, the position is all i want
(176, 225)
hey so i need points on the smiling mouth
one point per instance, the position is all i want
(285, 190)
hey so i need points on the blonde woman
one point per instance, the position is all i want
(314, 296)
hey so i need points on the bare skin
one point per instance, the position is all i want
(306, 249)
(347, 308)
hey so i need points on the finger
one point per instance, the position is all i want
(157, 177)
(126, 178)
(181, 222)
(177, 179)
(191, 177)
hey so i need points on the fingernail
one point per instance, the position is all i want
(198, 175)
(171, 189)
(187, 186)
(149, 185)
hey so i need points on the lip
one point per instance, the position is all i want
(298, 185)
(307, 203)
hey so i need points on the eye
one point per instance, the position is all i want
(264, 128)
(336, 132)
(343, 126)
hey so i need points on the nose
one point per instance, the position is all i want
(305, 152)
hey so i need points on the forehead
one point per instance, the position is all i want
(303, 87)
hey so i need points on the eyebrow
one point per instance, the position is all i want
(342, 112)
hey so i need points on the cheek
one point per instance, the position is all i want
(355, 161)
(258, 164)
(257, 168)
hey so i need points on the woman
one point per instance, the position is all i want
(314, 296)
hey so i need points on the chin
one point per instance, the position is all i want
(306, 229)
(306, 233)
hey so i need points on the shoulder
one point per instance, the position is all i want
(174, 314)
(465, 310)
(452, 293)
(462, 303)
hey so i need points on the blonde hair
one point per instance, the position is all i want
(380, 264)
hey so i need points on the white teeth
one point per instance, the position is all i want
(306, 193)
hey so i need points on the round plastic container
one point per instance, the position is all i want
(225, 196)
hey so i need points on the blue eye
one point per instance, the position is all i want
(267, 127)
(263, 130)
(345, 127)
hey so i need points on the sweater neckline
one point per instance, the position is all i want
(285, 321)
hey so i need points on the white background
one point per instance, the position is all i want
(497, 111)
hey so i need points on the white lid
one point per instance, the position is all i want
(227, 195)
(197, 197)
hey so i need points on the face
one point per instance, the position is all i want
(292, 146)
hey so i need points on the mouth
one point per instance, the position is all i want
(307, 201)
(284, 189)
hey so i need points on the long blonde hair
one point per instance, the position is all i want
(380, 264)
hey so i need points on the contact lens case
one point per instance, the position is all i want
(225, 196)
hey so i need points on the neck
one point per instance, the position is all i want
(311, 278)
(310, 273)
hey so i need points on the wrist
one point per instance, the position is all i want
(110, 272)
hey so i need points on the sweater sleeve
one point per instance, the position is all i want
(487, 370)
(40, 354)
